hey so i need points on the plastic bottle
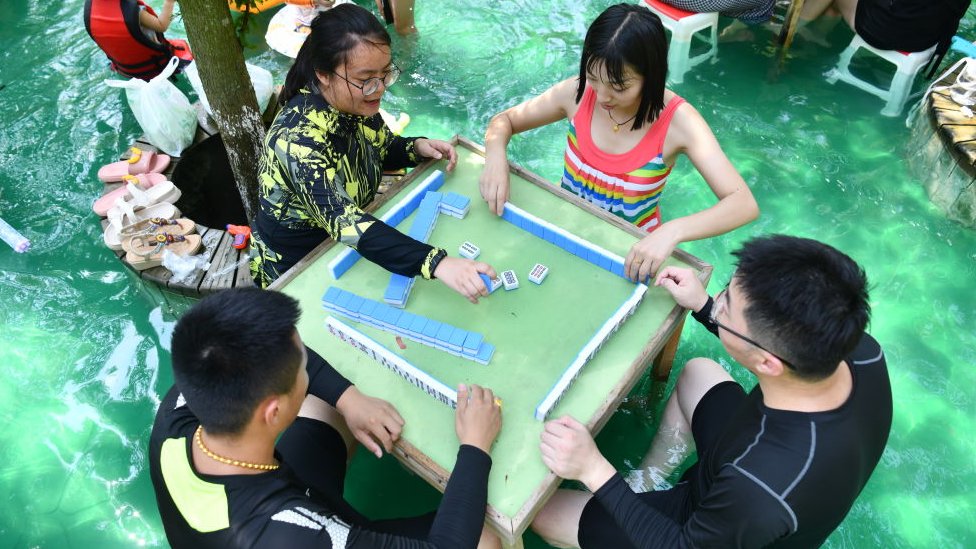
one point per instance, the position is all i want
(14, 238)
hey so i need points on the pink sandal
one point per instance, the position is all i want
(140, 162)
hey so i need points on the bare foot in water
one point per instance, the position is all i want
(737, 31)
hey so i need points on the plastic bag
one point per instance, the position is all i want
(184, 266)
(164, 113)
(261, 81)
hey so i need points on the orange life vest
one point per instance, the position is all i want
(114, 26)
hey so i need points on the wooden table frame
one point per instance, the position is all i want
(660, 349)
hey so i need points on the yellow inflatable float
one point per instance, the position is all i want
(265, 5)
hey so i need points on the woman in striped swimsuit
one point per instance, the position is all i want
(625, 133)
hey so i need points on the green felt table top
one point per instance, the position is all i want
(537, 329)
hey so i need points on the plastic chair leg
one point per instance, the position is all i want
(678, 60)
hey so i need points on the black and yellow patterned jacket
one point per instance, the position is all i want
(320, 167)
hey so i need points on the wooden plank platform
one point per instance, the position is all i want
(228, 266)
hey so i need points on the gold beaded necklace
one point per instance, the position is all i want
(616, 125)
(259, 466)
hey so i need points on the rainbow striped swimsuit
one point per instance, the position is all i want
(628, 185)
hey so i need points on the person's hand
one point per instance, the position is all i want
(683, 286)
(494, 185)
(649, 253)
(478, 418)
(569, 451)
(436, 149)
(373, 421)
(461, 275)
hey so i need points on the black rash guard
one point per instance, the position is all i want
(274, 509)
(773, 478)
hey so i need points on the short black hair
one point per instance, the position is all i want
(806, 300)
(628, 35)
(335, 32)
(232, 350)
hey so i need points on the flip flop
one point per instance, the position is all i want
(140, 162)
(144, 252)
(138, 199)
(119, 221)
(144, 181)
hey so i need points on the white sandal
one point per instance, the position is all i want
(121, 217)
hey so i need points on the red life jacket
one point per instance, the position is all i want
(114, 26)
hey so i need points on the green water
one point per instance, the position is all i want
(85, 353)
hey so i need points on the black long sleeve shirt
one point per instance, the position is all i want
(273, 509)
(775, 478)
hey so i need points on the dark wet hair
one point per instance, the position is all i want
(232, 350)
(628, 35)
(806, 300)
(335, 33)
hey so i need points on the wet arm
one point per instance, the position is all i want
(551, 106)
(160, 23)
(735, 207)
(554, 104)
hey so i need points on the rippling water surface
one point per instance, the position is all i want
(85, 353)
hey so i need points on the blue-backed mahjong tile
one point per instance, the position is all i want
(331, 295)
(392, 316)
(472, 343)
(343, 300)
(431, 329)
(444, 333)
(406, 320)
(355, 303)
(458, 337)
(593, 256)
(617, 268)
(485, 352)
(368, 308)
(417, 324)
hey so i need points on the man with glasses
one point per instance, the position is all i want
(779, 466)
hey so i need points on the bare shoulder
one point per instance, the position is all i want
(687, 123)
(564, 93)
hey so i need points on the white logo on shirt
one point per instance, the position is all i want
(301, 516)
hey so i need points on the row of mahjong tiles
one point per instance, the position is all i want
(430, 203)
(440, 335)
(433, 203)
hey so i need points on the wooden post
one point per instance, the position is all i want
(665, 359)
(220, 61)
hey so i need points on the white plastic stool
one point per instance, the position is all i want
(684, 25)
(908, 65)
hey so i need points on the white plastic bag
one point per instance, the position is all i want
(184, 267)
(163, 112)
(261, 81)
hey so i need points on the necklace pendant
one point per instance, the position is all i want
(616, 128)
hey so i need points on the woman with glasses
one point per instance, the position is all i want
(325, 154)
(625, 133)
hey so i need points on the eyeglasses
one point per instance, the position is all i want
(719, 301)
(372, 85)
